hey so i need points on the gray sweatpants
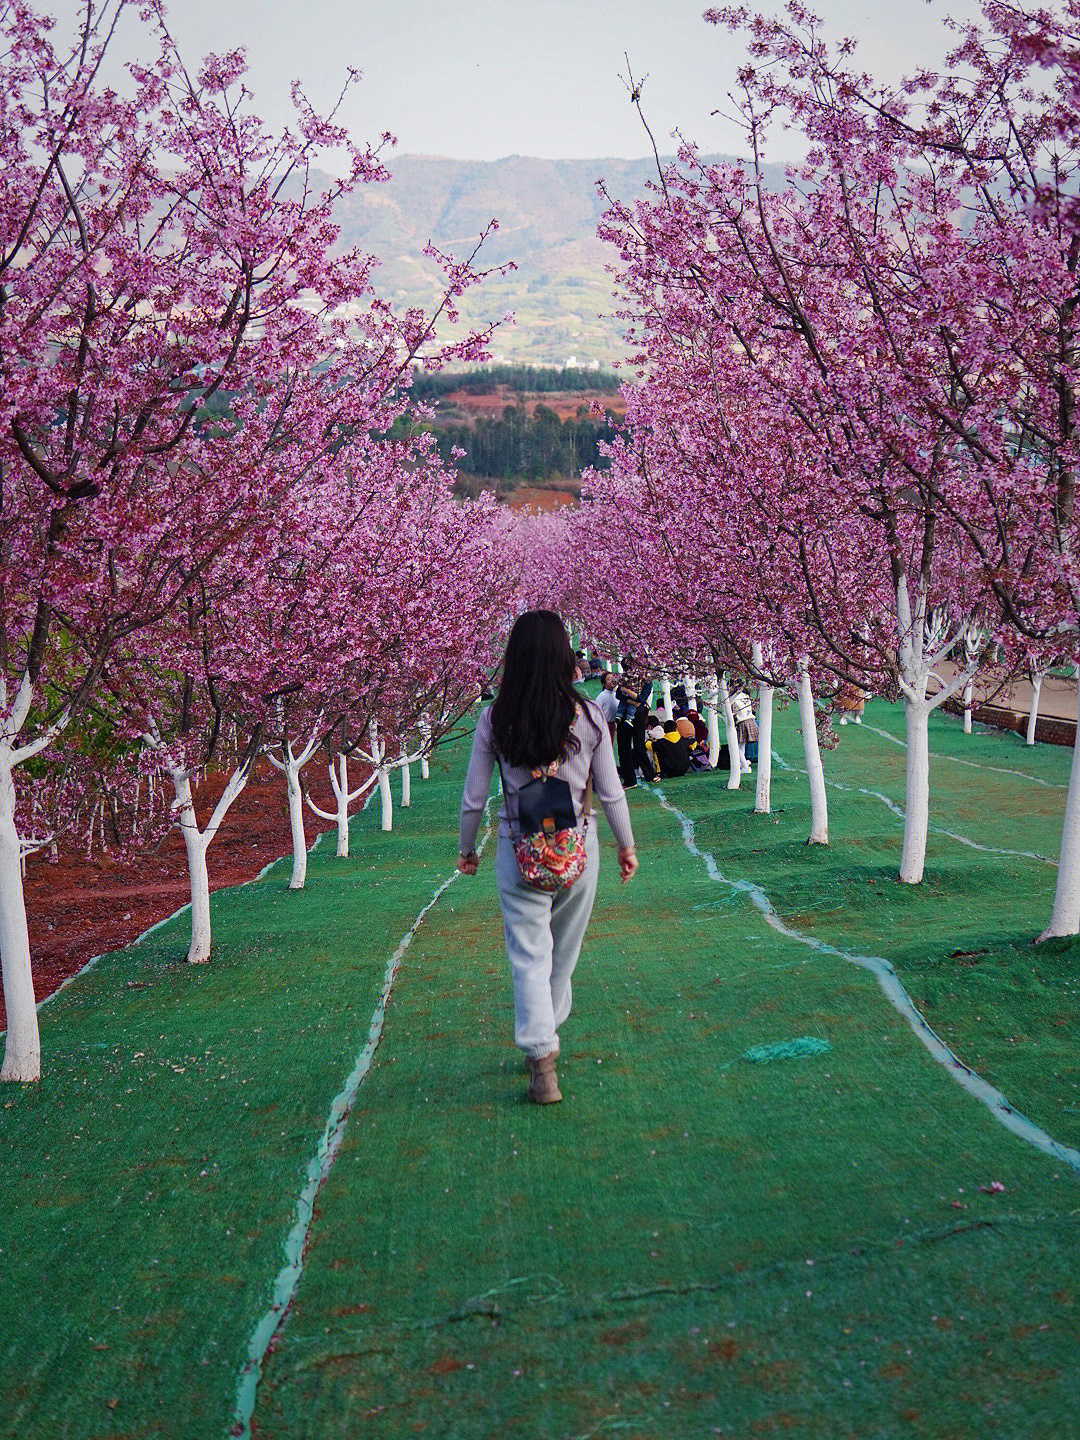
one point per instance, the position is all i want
(543, 941)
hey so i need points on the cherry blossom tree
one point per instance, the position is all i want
(991, 151)
(181, 345)
(802, 340)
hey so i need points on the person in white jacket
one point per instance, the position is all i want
(540, 725)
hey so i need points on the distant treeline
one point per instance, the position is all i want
(541, 379)
(518, 446)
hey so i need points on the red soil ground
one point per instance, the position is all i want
(565, 403)
(80, 908)
(540, 497)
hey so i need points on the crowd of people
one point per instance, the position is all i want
(658, 742)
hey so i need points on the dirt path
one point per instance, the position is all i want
(1008, 705)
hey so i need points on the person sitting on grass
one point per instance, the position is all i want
(671, 751)
(701, 729)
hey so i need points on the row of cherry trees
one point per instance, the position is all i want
(210, 546)
(853, 453)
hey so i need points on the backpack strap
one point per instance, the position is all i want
(506, 794)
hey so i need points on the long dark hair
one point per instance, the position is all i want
(532, 717)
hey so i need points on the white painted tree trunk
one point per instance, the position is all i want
(819, 803)
(386, 799)
(343, 798)
(195, 844)
(425, 736)
(967, 707)
(406, 782)
(1033, 713)
(691, 691)
(712, 721)
(382, 778)
(340, 786)
(22, 1046)
(763, 790)
(296, 824)
(290, 766)
(665, 692)
(731, 734)
(1065, 918)
(916, 791)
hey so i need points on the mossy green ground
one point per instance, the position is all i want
(690, 1245)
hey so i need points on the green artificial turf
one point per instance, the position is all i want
(151, 1177)
(962, 940)
(692, 1244)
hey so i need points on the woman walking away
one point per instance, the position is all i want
(553, 749)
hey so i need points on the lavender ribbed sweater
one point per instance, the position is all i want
(594, 757)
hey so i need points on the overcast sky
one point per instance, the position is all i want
(479, 79)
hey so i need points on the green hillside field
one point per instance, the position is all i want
(841, 1243)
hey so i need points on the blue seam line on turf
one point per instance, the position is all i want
(898, 811)
(975, 764)
(318, 1168)
(893, 987)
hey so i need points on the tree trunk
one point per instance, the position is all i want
(819, 804)
(341, 794)
(22, 1047)
(1033, 713)
(198, 878)
(713, 722)
(1065, 919)
(916, 791)
(296, 824)
(406, 785)
(386, 799)
(967, 708)
(425, 740)
(763, 792)
(732, 736)
(665, 691)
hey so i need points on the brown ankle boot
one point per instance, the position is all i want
(543, 1081)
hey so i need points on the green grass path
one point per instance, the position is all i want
(962, 940)
(151, 1178)
(690, 1245)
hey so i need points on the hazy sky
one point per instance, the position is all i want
(479, 79)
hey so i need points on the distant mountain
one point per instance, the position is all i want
(547, 212)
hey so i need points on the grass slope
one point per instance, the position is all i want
(152, 1176)
(962, 941)
(692, 1244)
